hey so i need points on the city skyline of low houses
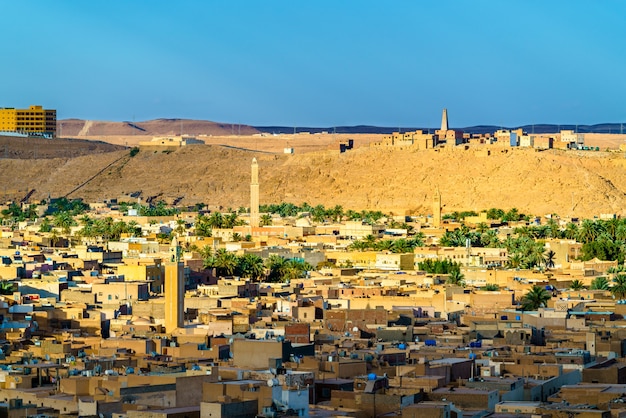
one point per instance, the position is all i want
(96, 314)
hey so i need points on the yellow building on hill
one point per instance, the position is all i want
(35, 119)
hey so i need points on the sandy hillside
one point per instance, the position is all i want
(567, 183)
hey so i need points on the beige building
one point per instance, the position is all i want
(170, 143)
(359, 230)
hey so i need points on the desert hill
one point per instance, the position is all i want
(90, 128)
(566, 183)
(31, 147)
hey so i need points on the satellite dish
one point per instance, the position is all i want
(272, 382)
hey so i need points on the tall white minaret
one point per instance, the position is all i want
(254, 195)
(444, 120)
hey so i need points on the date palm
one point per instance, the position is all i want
(536, 298)
(619, 286)
(455, 277)
(600, 283)
(577, 285)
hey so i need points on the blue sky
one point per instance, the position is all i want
(318, 63)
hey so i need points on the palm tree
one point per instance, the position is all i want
(402, 246)
(571, 231)
(554, 231)
(337, 213)
(225, 262)
(549, 257)
(491, 287)
(45, 226)
(482, 227)
(65, 221)
(417, 240)
(205, 252)
(369, 240)
(275, 265)
(181, 226)
(134, 228)
(7, 287)
(358, 245)
(295, 269)
(490, 239)
(203, 227)
(515, 260)
(216, 220)
(577, 285)
(589, 231)
(455, 277)
(536, 298)
(384, 245)
(619, 286)
(599, 283)
(265, 220)
(251, 265)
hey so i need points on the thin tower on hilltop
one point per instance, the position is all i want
(254, 195)
(444, 120)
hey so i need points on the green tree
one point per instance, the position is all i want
(265, 220)
(206, 252)
(216, 220)
(619, 286)
(599, 283)
(64, 221)
(295, 269)
(490, 239)
(358, 245)
(455, 277)
(577, 285)
(554, 231)
(275, 265)
(536, 298)
(515, 260)
(588, 231)
(491, 287)
(181, 226)
(571, 231)
(494, 213)
(203, 227)
(251, 266)
(225, 262)
(45, 226)
(549, 258)
(7, 287)
(512, 215)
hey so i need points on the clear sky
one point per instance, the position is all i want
(318, 63)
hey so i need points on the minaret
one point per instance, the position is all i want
(444, 120)
(437, 207)
(254, 195)
(174, 289)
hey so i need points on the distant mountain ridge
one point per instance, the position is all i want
(156, 127)
(165, 126)
(478, 129)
